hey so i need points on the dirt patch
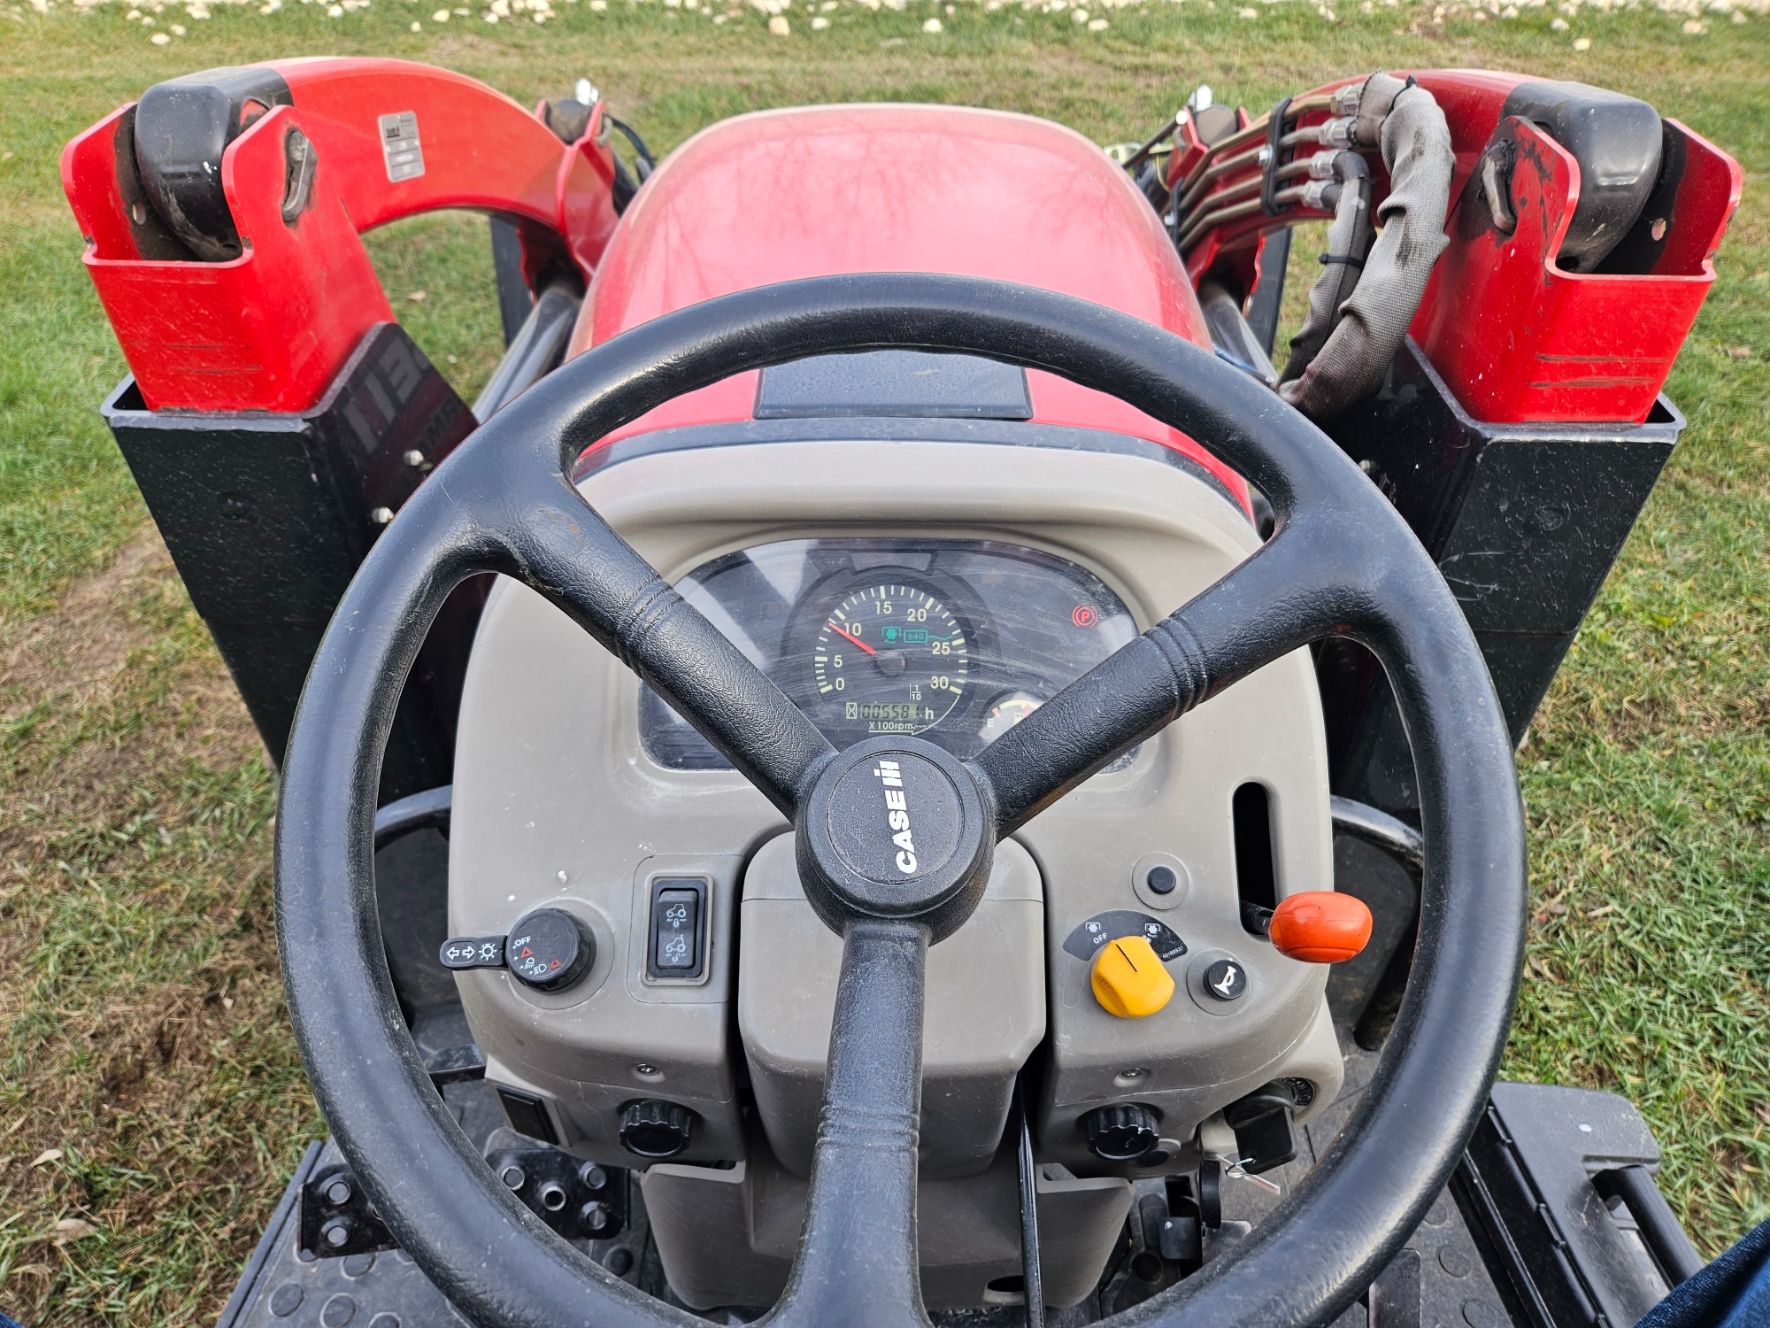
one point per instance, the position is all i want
(141, 1020)
(86, 639)
(68, 683)
(1656, 717)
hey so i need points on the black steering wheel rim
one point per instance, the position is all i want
(1341, 562)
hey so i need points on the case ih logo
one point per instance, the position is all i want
(897, 815)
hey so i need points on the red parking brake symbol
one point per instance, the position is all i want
(1084, 615)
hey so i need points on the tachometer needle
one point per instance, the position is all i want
(850, 637)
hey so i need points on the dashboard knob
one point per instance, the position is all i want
(1320, 926)
(1129, 979)
(1123, 1132)
(656, 1129)
(549, 949)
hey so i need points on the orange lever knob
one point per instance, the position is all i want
(1320, 926)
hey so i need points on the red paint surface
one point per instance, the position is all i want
(1515, 336)
(1519, 339)
(821, 191)
(270, 329)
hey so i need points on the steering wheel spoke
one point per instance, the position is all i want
(857, 1258)
(561, 547)
(1287, 594)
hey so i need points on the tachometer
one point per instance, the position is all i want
(889, 658)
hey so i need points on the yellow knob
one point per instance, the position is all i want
(1129, 980)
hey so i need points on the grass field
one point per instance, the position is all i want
(151, 1100)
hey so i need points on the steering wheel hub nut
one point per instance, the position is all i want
(895, 828)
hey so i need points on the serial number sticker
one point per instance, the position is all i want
(400, 147)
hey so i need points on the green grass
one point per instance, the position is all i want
(143, 1030)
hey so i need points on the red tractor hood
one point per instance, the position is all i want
(814, 192)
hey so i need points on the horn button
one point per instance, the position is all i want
(895, 828)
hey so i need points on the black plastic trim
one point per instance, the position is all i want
(910, 383)
(1536, 1186)
(1617, 142)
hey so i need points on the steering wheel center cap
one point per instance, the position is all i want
(895, 827)
(894, 817)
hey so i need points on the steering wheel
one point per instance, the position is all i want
(1341, 562)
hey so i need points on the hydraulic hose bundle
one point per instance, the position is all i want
(1376, 267)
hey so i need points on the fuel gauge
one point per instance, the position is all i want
(1009, 708)
(1005, 712)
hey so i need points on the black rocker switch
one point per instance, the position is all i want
(676, 944)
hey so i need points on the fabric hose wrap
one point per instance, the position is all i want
(1347, 341)
(1348, 248)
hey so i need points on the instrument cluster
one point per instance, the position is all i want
(955, 641)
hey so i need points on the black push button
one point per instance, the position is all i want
(676, 946)
(1226, 980)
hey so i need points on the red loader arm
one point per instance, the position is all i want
(309, 154)
(1519, 329)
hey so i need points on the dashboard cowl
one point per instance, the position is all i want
(563, 799)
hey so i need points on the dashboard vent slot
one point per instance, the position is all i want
(1255, 875)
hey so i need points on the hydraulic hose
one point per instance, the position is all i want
(1348, 340)
(1348, 193)
(1222, 207)
(1334, 133)
(1253, 207)
(1255, 132)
